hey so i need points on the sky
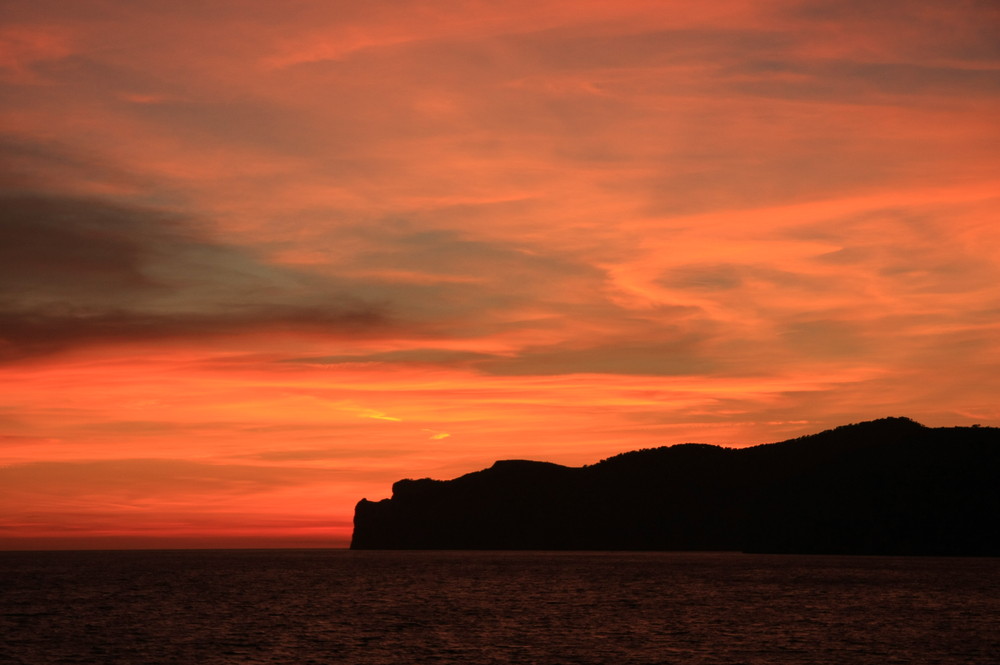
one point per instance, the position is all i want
(259, 260)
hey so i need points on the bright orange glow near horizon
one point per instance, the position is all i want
(260, 260)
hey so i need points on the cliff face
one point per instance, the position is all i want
(889, 486)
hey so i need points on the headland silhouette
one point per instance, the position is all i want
(889, 486)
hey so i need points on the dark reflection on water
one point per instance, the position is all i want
(315, 606)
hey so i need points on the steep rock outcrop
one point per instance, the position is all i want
(889, 486)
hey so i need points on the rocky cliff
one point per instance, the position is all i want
(889, 486)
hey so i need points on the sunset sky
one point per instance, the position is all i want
(260, 259)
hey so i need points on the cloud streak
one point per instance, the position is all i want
(81, 272)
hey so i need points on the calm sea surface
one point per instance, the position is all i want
(332, 606)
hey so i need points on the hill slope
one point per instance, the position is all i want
(889, 486)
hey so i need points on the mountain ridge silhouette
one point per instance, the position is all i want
(887, 486)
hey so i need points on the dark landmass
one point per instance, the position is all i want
(889, 486)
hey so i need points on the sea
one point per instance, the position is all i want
(222, 607)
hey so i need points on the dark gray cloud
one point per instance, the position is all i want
(712, 277)
(960, 29)
(826, 338)
(26, 334)
(715, 277)
(680, 353)
(77, 271)
(460, 287)
(685, 354)
(33, 165)
(450, 253)
(49, 243)
(566, 49)
(850, 81)
(407, 356)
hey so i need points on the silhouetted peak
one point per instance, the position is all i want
(409, 487)
(855, 435)
(883, 430)
(516, 471)
(522, 465)
(900, 423)
(680, 451)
